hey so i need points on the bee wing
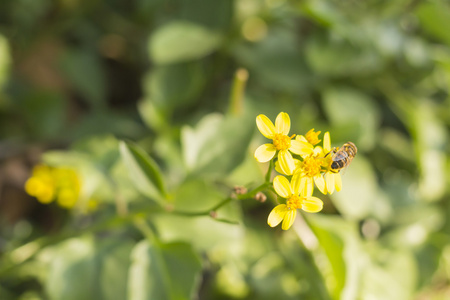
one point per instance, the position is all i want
(340, 155)
(344, 169)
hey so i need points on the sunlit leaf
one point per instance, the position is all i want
(354, 113)
(216, 145)
(209, 233)
(143, 171)
(434, 16)
(359, 194)
(81, 268)
(182, 41)
(338, 239)
(197, 195)
(163, 271)
(394, 278)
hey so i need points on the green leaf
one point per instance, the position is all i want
(143, 170)
(81, 268)
(434, 16)
(276, 61)
(353, 114)
(176, 85)
(164, 272)
(5, 60)
(394, 277)
(339, 240)
(182, 41)
(340, 57)
(72, 272)
(45, 113)
(217, 14)
(85, 72)
(196, 195)
(209, 233)
(359, 195)
(216, 145)
(114, 255)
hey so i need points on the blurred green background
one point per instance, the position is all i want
(78, 77)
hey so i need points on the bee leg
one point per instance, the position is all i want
(334, 150)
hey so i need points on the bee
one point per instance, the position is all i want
(342, 157)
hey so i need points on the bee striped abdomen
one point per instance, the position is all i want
(342, 157)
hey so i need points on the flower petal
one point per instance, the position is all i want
(282, 123)
(265, 152)
(312, 204)
(282, 186)
(306, 186)
(289, 219)
(338, 181)
(265, 126)
(329, 178)
(287, 163)
(300, 147)
(301, 138)
(276, 215)
(320, 183)
(279, 170)
(326, 142)
(318, 151)
(296, 183)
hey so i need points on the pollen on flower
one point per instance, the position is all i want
(294, 202)
(311, 166)
(281, 141)
(313, 137)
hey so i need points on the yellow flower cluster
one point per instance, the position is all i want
(48, 184)
(299, 157)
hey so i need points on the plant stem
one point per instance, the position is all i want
(237, 92)
(269, 171)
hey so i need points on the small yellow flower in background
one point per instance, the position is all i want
(48, 184)
(295, 199)
(281, 142)
(333, 180)
(41, 185)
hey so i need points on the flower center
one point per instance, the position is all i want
(281, 141)
(294, 202)
(311, 166)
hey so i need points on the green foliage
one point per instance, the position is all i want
(81, 268)
(143, 171)
(182, 41)
(137, 98)
(163, 271)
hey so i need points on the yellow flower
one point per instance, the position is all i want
(295, 199)
(48, 184)
(333, 180)
(313, 137)
(297, 164)
(281, 142)
(307, 147)
(310, 171)
(41, 185)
